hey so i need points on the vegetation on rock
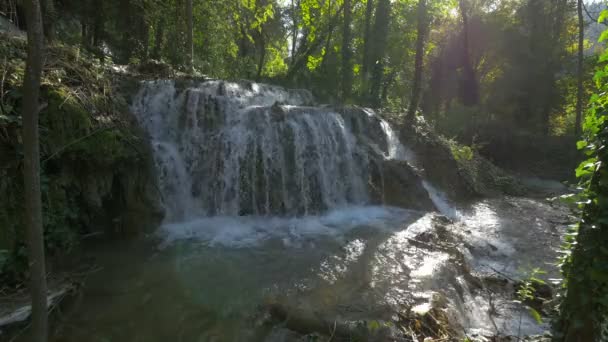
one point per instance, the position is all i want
(95, 166)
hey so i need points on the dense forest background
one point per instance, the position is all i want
(470, 66)
(509, 74)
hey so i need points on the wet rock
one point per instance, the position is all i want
(462, 178)
(394, 183)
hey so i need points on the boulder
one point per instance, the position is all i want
(395, 183)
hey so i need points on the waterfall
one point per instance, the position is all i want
(240, 148)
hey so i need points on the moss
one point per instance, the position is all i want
(63, 119)
(88, 142)
(105, 147)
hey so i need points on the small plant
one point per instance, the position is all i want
(527, 292)
(461, 152)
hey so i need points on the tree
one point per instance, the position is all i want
(48, 8)
(469, 87)
(159, 36)
(31, 170)
(579, 71)
(294, 29)
(365, 64)
(379, 42)
(189, 36)
(422, 28)
(584, 309)
(347, 68)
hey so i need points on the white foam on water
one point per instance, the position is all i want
(441, 202)
(251, 231)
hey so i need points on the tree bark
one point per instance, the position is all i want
(347, 69)
(579, 71)
(294, 38)
(189, 36)
(418, 61)
(369, 11)
(159, 35)
(330, 28)
(50, 15)
(31, 171)
(469, 87)
(262, 58)
(379, 37)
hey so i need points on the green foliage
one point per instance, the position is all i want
(585, 256)
(82, 130)
(527, 292)
(462, 153)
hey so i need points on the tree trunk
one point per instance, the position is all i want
(421, 36)
(369, 11)
(379, 39)
(50, 15)
(262, 59)
(469, 87)
(330, 28)
(189, 36)
(307, 50)
(579, 71)
(347, 69)
(31, 171)
(159, 35)
(294, 38)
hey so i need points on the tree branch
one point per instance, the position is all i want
(591, 18)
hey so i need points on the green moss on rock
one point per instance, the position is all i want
(97, 172)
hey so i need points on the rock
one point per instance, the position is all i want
(462, 178)
(394, 183)
(155, 68)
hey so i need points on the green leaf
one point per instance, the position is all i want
(602, 16)
(536, 315)
(581, 144)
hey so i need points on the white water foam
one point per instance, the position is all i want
(251, 231)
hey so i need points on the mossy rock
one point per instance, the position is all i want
(458, 170)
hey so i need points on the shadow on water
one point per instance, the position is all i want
(194, 290)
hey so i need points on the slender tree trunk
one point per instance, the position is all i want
(159, 35)
(383, 12)
(579, 71)
(294, 38)
(50, 15)
(330, 28)
(31, 171)
(189, 36)
(369, 11)
(309, 49)
(262, 58)
(347, 69)
(469, 88)
(418, 61)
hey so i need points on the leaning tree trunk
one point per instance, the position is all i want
(579, 71)
(189, 36)
(347, 69)
(31, 171)
(421, 36)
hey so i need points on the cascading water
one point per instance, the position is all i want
(269, 200)
(250, 149)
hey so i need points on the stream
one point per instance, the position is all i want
(269, 203)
